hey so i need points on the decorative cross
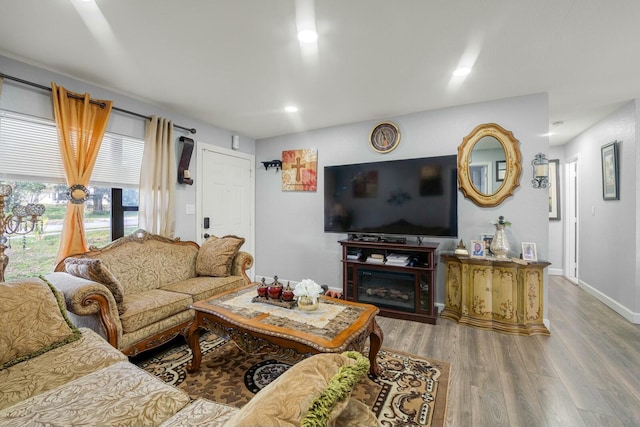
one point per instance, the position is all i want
(298, 166)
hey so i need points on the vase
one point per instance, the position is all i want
(499, 245)
(307, 303)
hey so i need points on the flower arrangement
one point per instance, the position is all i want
(501, 221)
(307, 287)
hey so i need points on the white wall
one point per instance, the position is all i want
(290, 241)
(25, 99)
(556, 227)
(609, 248)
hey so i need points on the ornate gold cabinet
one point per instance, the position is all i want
(501, 295)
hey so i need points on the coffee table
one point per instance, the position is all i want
(288, 334)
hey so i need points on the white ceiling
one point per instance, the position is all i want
(237, 63)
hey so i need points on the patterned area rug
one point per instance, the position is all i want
(411, 392)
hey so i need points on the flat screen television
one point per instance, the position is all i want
(416, 197)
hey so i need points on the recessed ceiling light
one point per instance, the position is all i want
(462, 71)
(291, 109)
(307, 36)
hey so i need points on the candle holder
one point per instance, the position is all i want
(540, 166)
(22, 220)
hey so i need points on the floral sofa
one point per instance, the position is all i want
(137, 291)
(55, 374)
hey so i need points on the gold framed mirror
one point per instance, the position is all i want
(489, 165)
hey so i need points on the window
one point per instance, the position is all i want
(30, 162)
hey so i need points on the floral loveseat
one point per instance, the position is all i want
(137, 291)
(54, 374)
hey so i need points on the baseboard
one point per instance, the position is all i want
(556, 272)
(611, 303)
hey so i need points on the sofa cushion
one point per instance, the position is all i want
(314, 391)
(119, 395)
(205, 287)
(150, 264)
(94, 269)
(147, 307)
(201, 413)
(216, 255)
(56, 367)
(33, 320)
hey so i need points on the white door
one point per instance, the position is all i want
(571, 221)
(225, 202)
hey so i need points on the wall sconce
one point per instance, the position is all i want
(540, 171)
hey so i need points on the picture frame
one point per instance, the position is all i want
(477, 249)
(529, 252)
(554, 189)
(384, 137)
(610, 172)
(487, 239)
(501, 168)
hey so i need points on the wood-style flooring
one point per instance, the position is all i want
(587, 373)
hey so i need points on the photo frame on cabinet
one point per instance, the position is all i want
(554, 189)
(487, 239)
(529, 252)
(477, 249)
(610, 173)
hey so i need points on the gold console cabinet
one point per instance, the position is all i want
(501, 295)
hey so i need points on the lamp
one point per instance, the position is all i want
(540, 171)
(22, 220)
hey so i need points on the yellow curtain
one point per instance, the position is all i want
(81, 125)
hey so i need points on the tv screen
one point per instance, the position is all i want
(403, 197)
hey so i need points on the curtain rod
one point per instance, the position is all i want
(132, 113)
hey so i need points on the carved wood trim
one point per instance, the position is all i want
(158, 339)
(105, 316)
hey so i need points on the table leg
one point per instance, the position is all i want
(193, 338)
(375, 342)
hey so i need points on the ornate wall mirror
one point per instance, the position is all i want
(489, 165)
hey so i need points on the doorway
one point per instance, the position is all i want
(225, 195)
(571, 252)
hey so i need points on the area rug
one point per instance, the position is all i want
(412, 391)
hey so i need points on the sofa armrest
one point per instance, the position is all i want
(88, 298)
(241, 264)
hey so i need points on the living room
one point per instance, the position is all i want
(289, 240)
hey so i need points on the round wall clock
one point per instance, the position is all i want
(384, 137)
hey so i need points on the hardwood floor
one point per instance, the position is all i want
(586, 374)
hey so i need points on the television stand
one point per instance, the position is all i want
(403, 289)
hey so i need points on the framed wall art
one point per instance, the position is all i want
(610, 173)
(554, 189)
(501, 168)
(300, 170)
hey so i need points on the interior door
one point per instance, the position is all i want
(226, 195)
(572, 220)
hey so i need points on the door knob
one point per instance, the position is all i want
(206, 235)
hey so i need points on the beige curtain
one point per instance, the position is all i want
(156, 211)
(81, 125)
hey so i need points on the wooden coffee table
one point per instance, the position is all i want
(288, 334)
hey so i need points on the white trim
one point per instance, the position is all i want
(611, 303)
(200, 147)
(556, 272)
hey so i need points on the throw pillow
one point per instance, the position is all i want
(94, 269)
(216, 255)
(313, 392)
(34, 321)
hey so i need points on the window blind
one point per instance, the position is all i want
(29, 152)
